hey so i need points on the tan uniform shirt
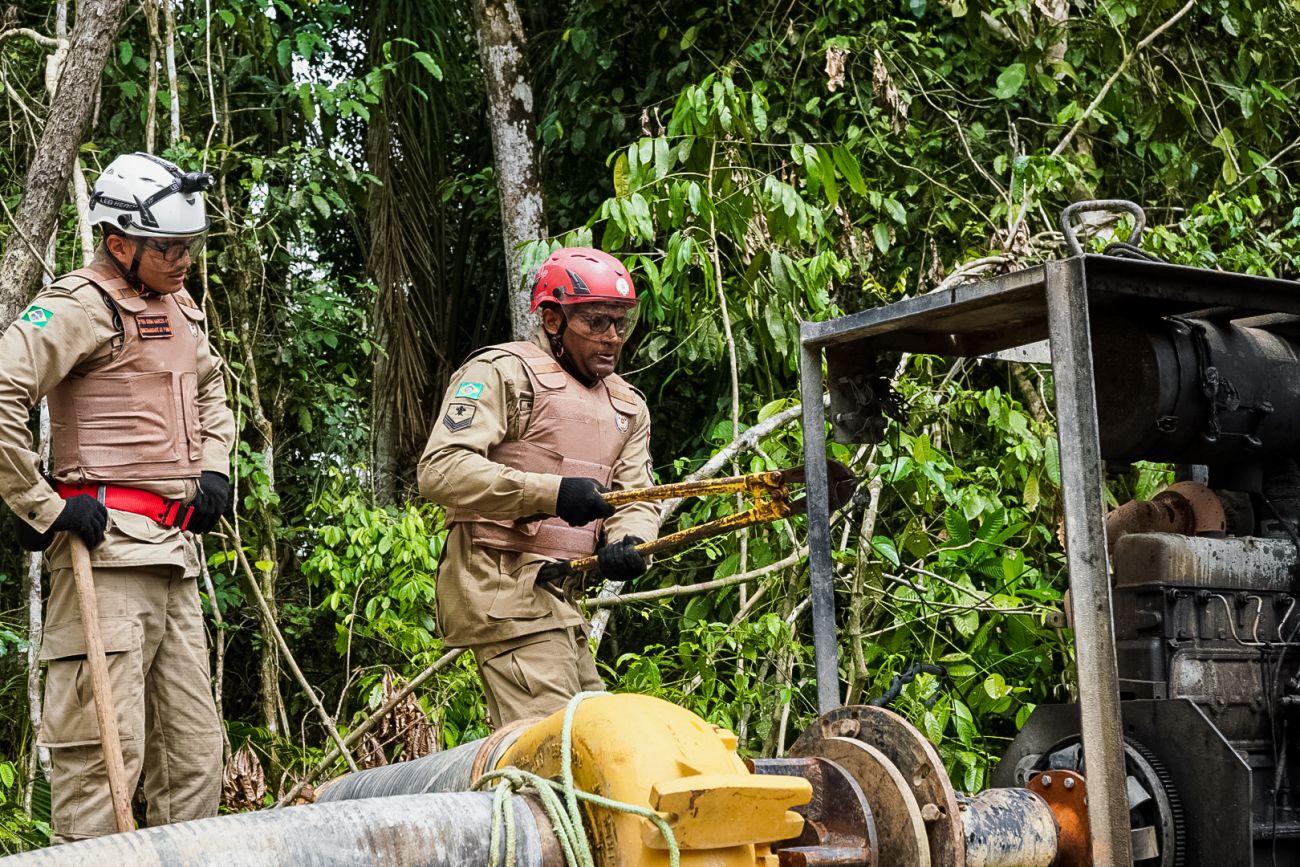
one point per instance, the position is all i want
(486, 595)
(67, 332)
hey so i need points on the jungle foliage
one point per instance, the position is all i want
(760, 163)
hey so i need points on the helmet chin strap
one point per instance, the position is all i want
(130, 275)
(557, 349)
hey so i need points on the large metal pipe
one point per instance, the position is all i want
(1008, 828)
(442, 830)
(453, 770)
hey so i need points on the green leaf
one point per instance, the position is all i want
(622, 182)
(661, 158)
(996, 686)
(884, 546)
(895, 210)
(880, 235)
(124, 52)
(430, 65)
(758, 109)
(1030, 494)
(688, 38)
(1052, 461)
(227, 16)
(1009, 81)
(958, 527)
(847, 164)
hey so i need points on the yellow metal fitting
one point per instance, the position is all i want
(645, 751)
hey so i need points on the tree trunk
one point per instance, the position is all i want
(514, 144)
(1056, 14)
(51, 169)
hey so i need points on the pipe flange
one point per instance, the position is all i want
(917, 762)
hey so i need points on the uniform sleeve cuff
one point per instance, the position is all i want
(541, 490)
(216, 462)
(42, 511)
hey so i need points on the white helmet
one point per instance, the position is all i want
(148, 197)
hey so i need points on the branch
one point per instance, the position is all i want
(1119, 70)
(603, 601)
(371, 721)
(39, 38)
(269, 619)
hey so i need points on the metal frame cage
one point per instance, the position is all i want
(1055, 302)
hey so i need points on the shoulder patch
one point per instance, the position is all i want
(459, 416)
(37, 316)
(470, 390)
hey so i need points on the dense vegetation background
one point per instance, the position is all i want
(760, 163)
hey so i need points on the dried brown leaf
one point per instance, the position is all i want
(243, 785)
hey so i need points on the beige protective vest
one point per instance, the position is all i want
(573, 431)
(135, 418)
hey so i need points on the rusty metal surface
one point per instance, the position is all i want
(916, 759)
(1066, 794)
(838, 823)
(442, 830)
(1187, 508)
(1008, 828)
(900, 829)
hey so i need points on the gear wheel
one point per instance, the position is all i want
(1164, 810)
(1172, 816)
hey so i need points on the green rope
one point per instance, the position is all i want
(565, 815)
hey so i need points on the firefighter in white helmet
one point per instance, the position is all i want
(141, 438)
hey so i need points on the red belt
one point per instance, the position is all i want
(166, 512)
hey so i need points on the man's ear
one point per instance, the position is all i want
(551, 320)
(119, 246)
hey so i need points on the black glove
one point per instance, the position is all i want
(210, 502)
(29, 539)
(85, 516)
(579, 501)
(621, 561)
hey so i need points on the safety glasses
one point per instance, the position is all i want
(594, 324)
(173, 250)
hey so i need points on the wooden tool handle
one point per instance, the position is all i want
(102, 688)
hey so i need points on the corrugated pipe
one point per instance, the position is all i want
(453, 770)
(441, 830)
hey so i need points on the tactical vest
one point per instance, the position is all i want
(135, 418)
(573, 431)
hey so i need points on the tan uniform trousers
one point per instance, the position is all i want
(158, 665)
(535, 675)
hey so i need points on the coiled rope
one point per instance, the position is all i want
(560, 801)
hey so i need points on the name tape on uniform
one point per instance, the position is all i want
(154, 326)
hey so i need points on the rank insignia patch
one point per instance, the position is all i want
(38, 316)
(471, 390)
(154, 326)
(622, 422)
(459, 416)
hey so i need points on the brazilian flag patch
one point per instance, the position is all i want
(471, 390)
(38, 316)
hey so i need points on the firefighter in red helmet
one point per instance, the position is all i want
(540, 428)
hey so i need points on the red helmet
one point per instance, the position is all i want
(573, 275)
